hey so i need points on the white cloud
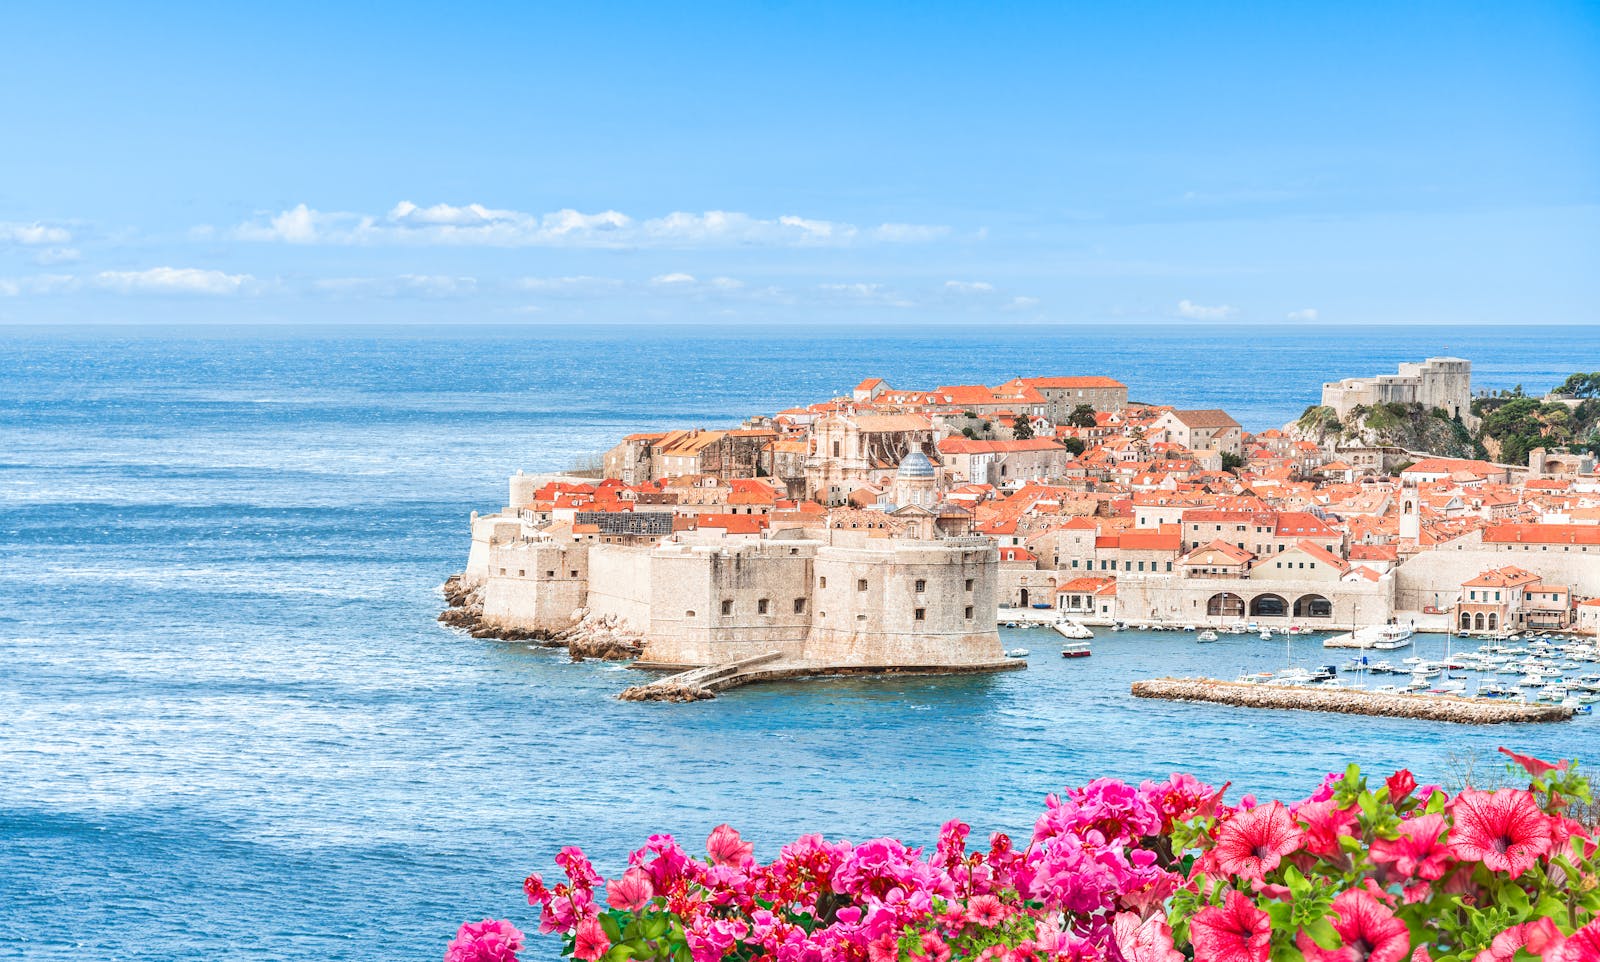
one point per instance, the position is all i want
(1202, 312)
(34, 234)
(1023, 303)
(418, 285)
(866, 293)
(56, 255)
(664, 280)
(180, 280)
(1304, 314)
(475, 224)
(969, 287)
(576, 284)
(37, 284)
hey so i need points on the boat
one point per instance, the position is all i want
(1017, 653)
(1077, 649)
(1073, 630)
(1266, 635)
(1206, 636)
(1380, 637)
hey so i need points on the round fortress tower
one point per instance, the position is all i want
(522, 491)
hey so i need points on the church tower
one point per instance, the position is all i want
(1410, 509)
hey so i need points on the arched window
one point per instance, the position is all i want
(1477, 621)
(1494, 620)
(1225, 604)
(1313, 606)
(1466, 621)
(1269, 606)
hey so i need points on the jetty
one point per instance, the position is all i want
(706, 681)
(1348, 701)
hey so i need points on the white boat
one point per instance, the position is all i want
(1380, 637)
(1073, 630)
(1206, 636)
(1266, 635)
(1017, 653)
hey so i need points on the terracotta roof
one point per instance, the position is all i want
(1574, 534)
(1206, 418)
(1091, 381)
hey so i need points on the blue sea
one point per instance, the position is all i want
(230, 727)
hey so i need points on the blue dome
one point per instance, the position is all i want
(915, 465)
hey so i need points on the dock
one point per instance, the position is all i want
(1350, 701)
(697, 683)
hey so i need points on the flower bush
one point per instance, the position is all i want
(1357, 872)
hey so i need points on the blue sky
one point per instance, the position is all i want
(800, 163)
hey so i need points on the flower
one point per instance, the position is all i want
(725, 847)
(589, 940)
(1505, 830)
(1401, 784)
(1581, 946)
(492, 940)
(1325, 823)
(1418, 851)
(1535, 936)
(1253, 842)
(1534, 766)
(986, 910)
(1147, 941)
(632, 892)
(1237, 931)
(1368, 932)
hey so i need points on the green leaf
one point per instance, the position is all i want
(1322, 933)
(619, 953)
(612, 929)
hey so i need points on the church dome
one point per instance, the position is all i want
(915, 465)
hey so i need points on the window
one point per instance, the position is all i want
(727, 606)
(969, 580)
(822, 582)
(688, 614)
(836, 449)
(522, 573)
(1169, 566)
(861, 584)
(549, 574)
(502, 571)
(799, 606)
(969, 612)
(574, 574)
(761, 606)
(922, 614)
(861, 617)
(921, 586)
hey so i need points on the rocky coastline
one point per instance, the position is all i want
(604, 638)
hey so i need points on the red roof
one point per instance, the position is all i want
(1575, 534)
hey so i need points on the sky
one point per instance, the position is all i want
(800, 163)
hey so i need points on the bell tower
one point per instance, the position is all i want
(1410, 509)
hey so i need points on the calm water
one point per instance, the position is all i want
(230, 728)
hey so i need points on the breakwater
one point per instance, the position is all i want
(1468, 711)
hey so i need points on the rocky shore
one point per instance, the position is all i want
(588, 636)
(1468, 711)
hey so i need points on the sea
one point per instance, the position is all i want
(231, 728)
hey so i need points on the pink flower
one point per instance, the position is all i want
(1147, 941)
(1325, 823)
(986, 910)
(1535, 936)
(725, 847)
(1235, 932)
(1368, 932)
(589, 940)
(1401, 784)
(1505, 830)
(1253, 842)
(1534, 766)
(1418, 851)
(1581, 946)
(492, 940)
(934, 948)
(632, 892)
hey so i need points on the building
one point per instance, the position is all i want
(1511, 599)
(1208, 429)
(1062, 394)
(1438, 382)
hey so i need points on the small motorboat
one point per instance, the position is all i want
(1206, 637)
(1017, 653)
(1076, 649)
(1266, 634)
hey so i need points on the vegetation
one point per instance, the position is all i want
(1074, 445)
(1022, 429)
(1231, 462)
(1081, 416)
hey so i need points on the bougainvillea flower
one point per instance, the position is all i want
(1581, 946)
(1368, 932)
(1505, 830)
(1536, 936)
(1534, 766)
(1253, 842)
(1418, 852)
(726, 848)
(1401, 784)
(1237, 931)
(1147, 941)
(492, 940)
(1325, 823)
(632, 892)
(589, 940)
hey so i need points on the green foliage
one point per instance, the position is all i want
(1022, 429)
(1082, 416)
(1231, 462)
(1075, 445)
(1581, 385)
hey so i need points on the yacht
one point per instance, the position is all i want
(1380, 637)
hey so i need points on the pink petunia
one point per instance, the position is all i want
(1581, 946)
(1505, 830)
(1237, 931)
(589, 940)
(1325, 823)
(1418, 852)
(1147, 941)
(1253, 842)
(986, 910)
(1534, 766)
(492, 940)
(1401, 784)
(1368, 932)
(632, 892)
(726, 848)
(1536, 936)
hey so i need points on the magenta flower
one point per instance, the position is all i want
(1418, 852)
(632, 892)
(1147, 941)
(1505, 830)
(1401, 784)
(1325, 823)
(986, 910)
(1581, 946)
(492, 940)
(1254, 841)
(726, 848)
(1368, 932)
(1237, 931)
(1537, 937)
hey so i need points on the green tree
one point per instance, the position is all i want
(1082, 416)
(1581, 385)
(1022, 429)
(1075, 445)
(1231, 462)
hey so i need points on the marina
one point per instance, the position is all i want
(1445, 708)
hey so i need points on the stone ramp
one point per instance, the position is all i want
(698, 684)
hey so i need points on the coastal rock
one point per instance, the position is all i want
(671, 693)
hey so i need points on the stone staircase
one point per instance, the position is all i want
(700, 683)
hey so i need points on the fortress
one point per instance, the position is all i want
(899, 593)
(1438, 382)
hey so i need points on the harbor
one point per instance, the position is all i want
(1346, 701)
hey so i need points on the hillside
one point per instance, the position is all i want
(1408, 426)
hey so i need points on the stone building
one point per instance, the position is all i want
(1199, 430)
(1062, 394)
(1438, 382)
(847, 450)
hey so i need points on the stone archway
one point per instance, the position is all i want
(1269, 606)
(1313, 606)
(1225, 604)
